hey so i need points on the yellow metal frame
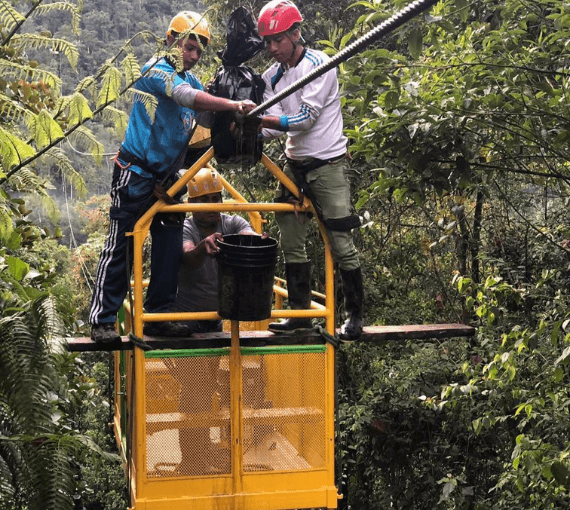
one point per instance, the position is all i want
(313, 488)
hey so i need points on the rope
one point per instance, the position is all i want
(139, 342)
(333, 340)
(381, 30)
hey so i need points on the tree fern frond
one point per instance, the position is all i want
(86, 138)
(79, 110)
(11, 109)
(27, 181)
(167, 78)
(13, 150)
(9, 69)
(57, 157)
(61, 105)
(148, 100)
(55, 488)
(25, 42)
(111, 87)
(119, 118)
(174, 54)
(87, 83)
(11, 467)
(6, 225)
(131, 68)
(44, 129)
(150, 37)
(9, 17)
(62, 6)
(45, 317)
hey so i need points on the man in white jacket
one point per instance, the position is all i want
(316, 161)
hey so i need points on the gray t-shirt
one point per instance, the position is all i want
(198, 288)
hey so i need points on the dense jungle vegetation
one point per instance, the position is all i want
(459, 136)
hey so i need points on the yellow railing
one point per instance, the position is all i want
(266, 414)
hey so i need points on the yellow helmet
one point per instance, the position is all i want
(205, 182)
(190, 22)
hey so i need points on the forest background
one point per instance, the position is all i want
(458, 128)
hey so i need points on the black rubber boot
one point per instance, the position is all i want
(298, 278)
(170, 329)
(353, 296)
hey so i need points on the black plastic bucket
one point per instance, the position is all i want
(246, 268)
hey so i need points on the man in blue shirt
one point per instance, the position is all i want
(151, 154)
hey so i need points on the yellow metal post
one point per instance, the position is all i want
(236, 406)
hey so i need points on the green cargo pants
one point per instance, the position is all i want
(330, 186)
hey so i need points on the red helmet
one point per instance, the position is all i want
(278, 16)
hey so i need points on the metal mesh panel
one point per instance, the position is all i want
(284, 411)
(187, 426)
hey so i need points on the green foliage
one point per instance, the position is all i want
(43, 388)
(458, 120)
(21, 43)
(29, 92)
(457, 125)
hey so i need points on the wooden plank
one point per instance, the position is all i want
(376, 334)
(371, 334)
(162, 421)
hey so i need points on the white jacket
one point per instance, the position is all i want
(312, 114)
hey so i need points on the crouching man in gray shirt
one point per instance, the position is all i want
(198, 277)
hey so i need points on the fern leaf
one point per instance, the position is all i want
(13, 150)
(167, 78)
(9, 69)
(111, 88)
(148, 100)
(174, 54)
(12, 110)
(53, 491)
(131, 68)
(85, 137)
(6, 225)
(87, 83)
(118, 117)
(9, 17)
(62, 6)
(44, 129)
(28, 181)
(57, 157)
(37, 41)
(47, 320)
(79, 109)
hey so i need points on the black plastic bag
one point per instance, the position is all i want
(242, 40)
(238, 82)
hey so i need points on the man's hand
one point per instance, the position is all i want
(210, 245)
(160, 193)
(244, 107)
